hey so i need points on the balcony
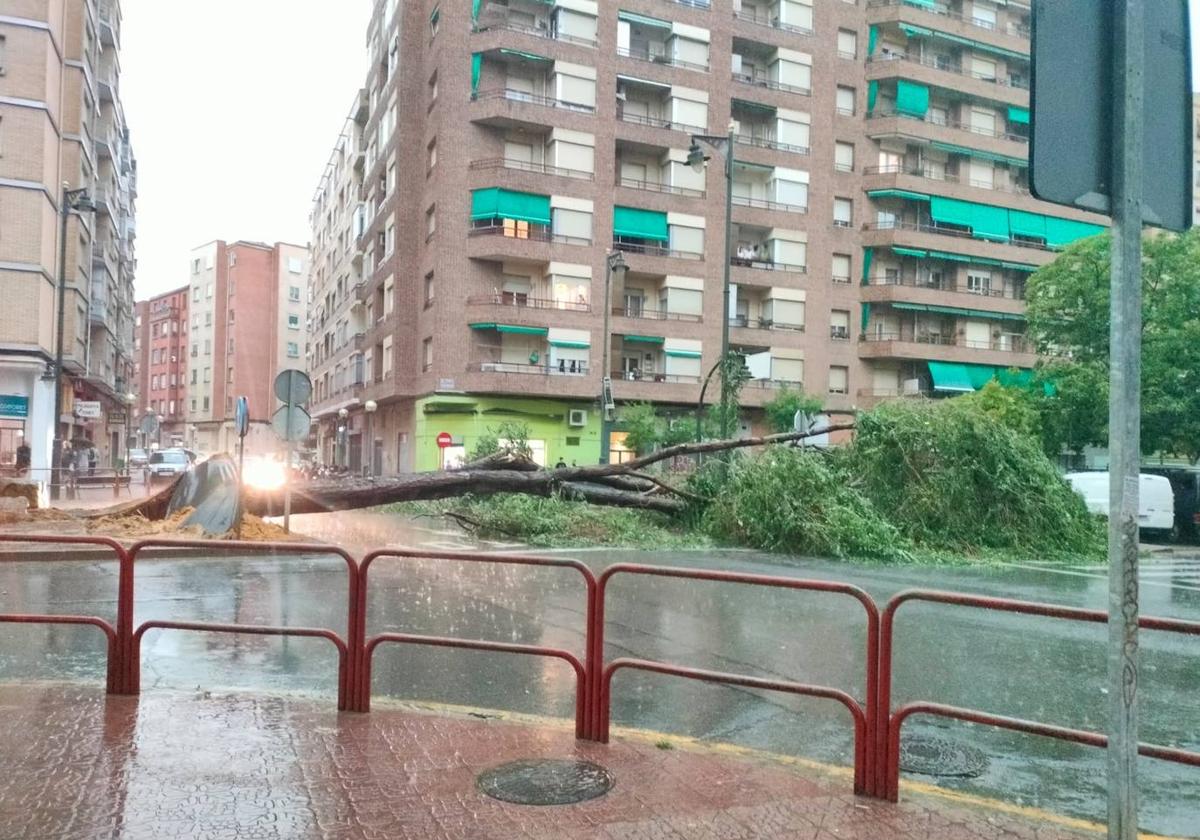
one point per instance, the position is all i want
(562, 368)
(884, 65)
(1006, 350)
(659, 187)
(523, 232)
(924, 288)
(769, 17)
(527, 166)
(542, 27)
(767, 204)
(652, 249)
(1014, 29)
(508, 108)
(518, 300)
(943, 230)
(657, 54)
(902, 175)
(1007, 144)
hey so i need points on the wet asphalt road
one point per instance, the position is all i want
(1013, 665)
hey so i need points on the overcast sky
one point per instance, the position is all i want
(234, 107)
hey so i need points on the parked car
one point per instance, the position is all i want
(138, 458)
(1156, 500)
(1185, 481)
(164, 465)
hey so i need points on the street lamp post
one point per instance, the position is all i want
(130, 399)
(614, 265)
(369, 407)
(69, 200)
(341, 458)
(696, 159)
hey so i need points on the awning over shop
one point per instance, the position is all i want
(498, 203)
(640, 224)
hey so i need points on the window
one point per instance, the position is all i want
(839, 379)
(293, 322)
(206, 403)
(847, 44)
(434, 21)
(295, 265)
(983, 15)
(843, 157)
(387, 356)
(427, 354)
(208, 319)
(845, 101)
(196, 292)
(194, 382)
(293, 350)
(983, 121)
(979, 282)
(433, 89)
(571, 224)
(294, 294)
(196, 270)
(431, 155)
(389, 296)
(982, 173)
(193, 403)
(983, 68)
(232, 259)
(839, 324)
(843, 212)
(208, 290)
(3, 52)
(208, 374)
(429, 290)
(841, 268)
(207, 347)
(430, 222)
(389, 239)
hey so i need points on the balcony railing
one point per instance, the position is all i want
(656, 186)
(915, 282)
(930, 174)
(521, 301)
(768, 143)
(793, 384)
(1011, 28)
(648, 376)
(766, 265)
(1005, 342)
(534, 233)
(548, 32)
(942, 230)
(956, 125)
(770, 84)
(560, 368)
(652, 250)
(531, 98)
(1017, 82)
(764, 204)
(773, 21)
(695, 4)
(655, 314)
(743, 322)
(658, 122)
(527, 166)
(660, 58)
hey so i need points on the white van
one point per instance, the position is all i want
(1156, 500)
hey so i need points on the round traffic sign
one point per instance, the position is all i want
(444, 440)
(149, 425)
(291, 422)
(293, 387)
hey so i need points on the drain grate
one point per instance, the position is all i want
(545, 782)
(941, 757)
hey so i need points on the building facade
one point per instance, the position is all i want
(160, 369)
(247, 308)
(881, 233)
(62, 123)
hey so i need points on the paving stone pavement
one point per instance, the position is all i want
(77, 765)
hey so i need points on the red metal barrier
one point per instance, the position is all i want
(115, 664)
(888, 725)
(865, 754)
(346, 647)
(583, 691)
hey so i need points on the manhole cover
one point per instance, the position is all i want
(941, 757)
(545, 782)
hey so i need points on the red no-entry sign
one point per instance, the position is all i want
(444, 440)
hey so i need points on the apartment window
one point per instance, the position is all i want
(435, 21)
(206, 403)
(433, 89)
(3, 52)
(295, 265)
(230, 351)
(196, 291)
(293, 350)
(845, 101)
(427, 354)
(232, 259)
(429, 290)
(430, 222)
(843, 157)
(231, 316)
(196, 270)
(983, 15)
(982, 173)
(389, 239)
(294, 294)
(431, 155)
(843, 212)
(208, 290)
(207, 347)
(193, 404)
(293, 322)
(195, 350)
(847, 44)
(839, 379)
(389, 296)
(979, 282)
(387, 356)
(193, 382)
(208, 374)
(839, 324)
(208, 319)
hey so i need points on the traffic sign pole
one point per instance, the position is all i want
(287, 467)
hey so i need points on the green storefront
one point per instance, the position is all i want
(558, 429)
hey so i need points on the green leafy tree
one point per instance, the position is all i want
(780, 412)
(1068, 311)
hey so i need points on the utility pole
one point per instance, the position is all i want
(614, 264)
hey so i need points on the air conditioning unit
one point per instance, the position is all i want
(577, 417)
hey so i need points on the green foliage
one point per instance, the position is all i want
(780, 412)
(647, 430)
(800, 502)
(509, 437)
(488, 444)
(951, 475)
(1068, 311)
(1013, 407)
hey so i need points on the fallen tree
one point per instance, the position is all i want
(618, 485)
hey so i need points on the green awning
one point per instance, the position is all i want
(476, 70)
(948, 376)
(946, 255)
(866, 316)
(574, 345)
(980, 155)
(985, 221)
(1015, 377)
(475, 4)
(1032, 225)
(922, 4)
(1018, 266)
(497, 203)
(630, 17)
(645, 339)
(754, 106)
(684, 354)
(524, 55)
(872, 39)
(1018, 115)
(640, 224)
(909, 252)
(872, 95)
(1062, 232)
(511, 328)
(916, 31)
(913, 196)
(958, 311)
(912, 99)
(868, 255)
(435, 15)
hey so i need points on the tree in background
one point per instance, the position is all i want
(1068, 311)
(780, 412)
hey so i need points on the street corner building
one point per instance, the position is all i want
(64, 141)
(880, 236)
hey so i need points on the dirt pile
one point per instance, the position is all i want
(137, 526)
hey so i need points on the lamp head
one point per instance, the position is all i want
(696, 157)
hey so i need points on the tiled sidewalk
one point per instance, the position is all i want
(78, 765)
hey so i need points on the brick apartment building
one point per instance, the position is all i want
(160, 347)
(62, 122)
(247, 309)
(882, 227)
